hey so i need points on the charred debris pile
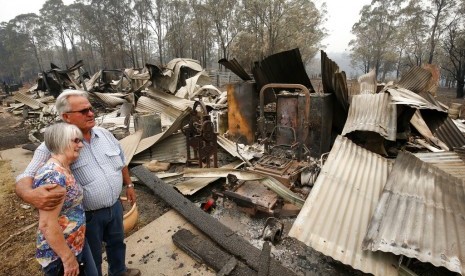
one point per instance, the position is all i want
(371, 174)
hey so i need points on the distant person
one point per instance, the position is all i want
(101, 171)
(61, 245)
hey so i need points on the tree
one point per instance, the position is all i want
(53, 11)
(30, 26)
(374, 31)
(273, 26)
(438, 11)
(454, 46)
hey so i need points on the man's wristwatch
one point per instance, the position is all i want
(130, 185)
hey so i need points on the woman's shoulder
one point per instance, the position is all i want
(49, 173)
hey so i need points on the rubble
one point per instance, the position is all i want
(274, 146)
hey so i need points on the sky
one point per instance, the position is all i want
(342, 14)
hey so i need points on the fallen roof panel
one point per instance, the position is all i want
(372, 112)
(129, 145)
(416, 79)
(448, 161)
(32, 103)
(336, 214)
(282, 67)
(172, 150)
(235, 67)
(420, 215)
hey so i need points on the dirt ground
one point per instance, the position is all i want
(18, 220)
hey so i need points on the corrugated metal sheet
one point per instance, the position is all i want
(409, 98)
(420, 215)
(368, 82)
(168, 99)
(448, 161)
(336, 214)
(152, 140)
(444, 128)
(148, 105)
(235, 67)
(173, 68)
(372, 112)
(230, 147)
(283, 67)
(334, 81)
(32, 103)
(416, 79)
(191, 186)
(129, 145)
(109, 99)
(172, 150)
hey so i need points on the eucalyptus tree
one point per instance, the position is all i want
(454, 47)
(202, 26)
(439, 13)
(272, 26)
(120, 16)
(226, 17)
(414, 31)
(178, 32)
(157, 13)
(53, 12)
(30, 25)
(374, 30)
(13, 52)
(72, 26)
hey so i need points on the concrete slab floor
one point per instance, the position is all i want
(152, 250)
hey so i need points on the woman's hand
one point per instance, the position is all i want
(71, 266)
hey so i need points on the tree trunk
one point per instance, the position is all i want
(459, 89)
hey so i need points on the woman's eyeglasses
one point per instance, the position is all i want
(84, 111)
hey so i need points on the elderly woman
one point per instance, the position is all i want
(61, 245)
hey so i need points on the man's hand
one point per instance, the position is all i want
(45, 197)
(131, 195)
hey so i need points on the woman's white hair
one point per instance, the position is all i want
(62, 104)
(58, 137)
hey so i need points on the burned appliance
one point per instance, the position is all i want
(286, 150)
(200, 137)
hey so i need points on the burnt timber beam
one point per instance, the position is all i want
(205, 251)
(215, 230)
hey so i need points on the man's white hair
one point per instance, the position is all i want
(62, 104)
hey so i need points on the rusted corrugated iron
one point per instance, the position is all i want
(283, 67)
(420, 214)
(416, 79)
(337, 212)
(235, 67)
(372, 112)
(242, 117)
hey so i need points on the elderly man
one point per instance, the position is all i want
(101, 171)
